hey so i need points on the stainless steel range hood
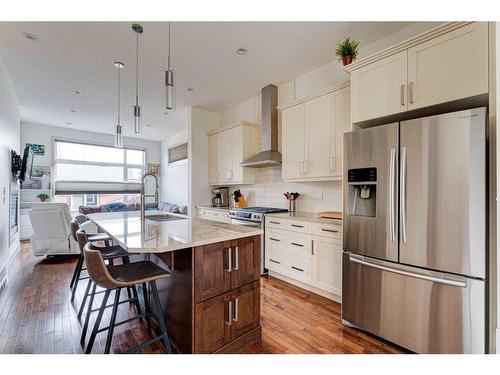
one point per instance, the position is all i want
(269, 156)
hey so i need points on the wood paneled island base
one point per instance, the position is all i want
(211, 302)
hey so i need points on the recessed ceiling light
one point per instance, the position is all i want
(190, 89)
(69, 123)
(241, 51)
(119, 65)
(30, 36)
(77, 92)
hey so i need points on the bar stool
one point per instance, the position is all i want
(75, 226)
(109, 253)
(122, 276)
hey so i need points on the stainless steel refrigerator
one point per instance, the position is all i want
(414, 261)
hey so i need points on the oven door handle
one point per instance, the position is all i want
(245, 222)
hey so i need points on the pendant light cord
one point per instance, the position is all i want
(169, 45)
(118, 69)
(137, 70)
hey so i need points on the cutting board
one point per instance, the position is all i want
(330, 215)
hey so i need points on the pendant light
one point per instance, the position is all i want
(169, 80)
(137, 109)
(118, 135)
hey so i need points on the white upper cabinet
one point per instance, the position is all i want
(449, 67)
(293, 149)
(312, 135)
(227, 148)
(318, 125)
(444, 64)
(379, 89)
(341, 104)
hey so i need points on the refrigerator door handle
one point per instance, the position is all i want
(392, 195)
(402, 197)
(361, 260)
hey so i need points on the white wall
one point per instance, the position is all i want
(175, 179)
(270, 187)
(202, 122)
(9, 140)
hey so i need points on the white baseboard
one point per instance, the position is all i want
(498, 341)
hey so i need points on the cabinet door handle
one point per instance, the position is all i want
(410, 87)
(274, 261)
(229, 260)
(236, 259)
(235, 319)
(297, 226)
(312, 247)
(298, 269)
(274, 222)
(403, 94)
(332, 168)
(274, 239)
(329, 230)
(229, 321)
(297, 244)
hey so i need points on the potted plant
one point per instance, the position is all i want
(43, 197)
(347, 51)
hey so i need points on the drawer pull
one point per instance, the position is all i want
(274, 261)
(297, 226)
(274, 239)
(236, 259)
(235, 319)
(229, 313)
(274, 222)
(329, 230)
(297, 244)
(229, 260)
(298, 269)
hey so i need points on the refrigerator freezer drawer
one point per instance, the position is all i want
(423, 311)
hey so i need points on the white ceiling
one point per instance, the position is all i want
(80, 55)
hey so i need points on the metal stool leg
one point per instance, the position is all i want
(137, 303)
(160, 317)
(112, 322)
(79, 264)
(97, 322)
(146, 307)
(82, 306)
(87, 317)
(78, 271)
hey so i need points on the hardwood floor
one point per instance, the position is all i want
(37, 316)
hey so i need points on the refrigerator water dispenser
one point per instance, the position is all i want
(362, 192)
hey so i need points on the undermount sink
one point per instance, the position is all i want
(163, 217)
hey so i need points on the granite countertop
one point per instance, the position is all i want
(165, 236)
(305, 216)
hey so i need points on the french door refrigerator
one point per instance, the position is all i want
(414, 261)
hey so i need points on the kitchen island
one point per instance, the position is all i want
(211, 302)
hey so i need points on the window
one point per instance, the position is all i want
(178, 153)
(85, 168)
(74, 201)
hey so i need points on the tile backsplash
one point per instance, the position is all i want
(269, 188)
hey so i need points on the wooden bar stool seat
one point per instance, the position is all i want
(111, 277)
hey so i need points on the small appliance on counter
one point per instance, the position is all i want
(220, 197)
(239, 199)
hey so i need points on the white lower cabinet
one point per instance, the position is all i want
(310, 253)
(327, 264)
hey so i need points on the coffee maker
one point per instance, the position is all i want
(220, 197)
